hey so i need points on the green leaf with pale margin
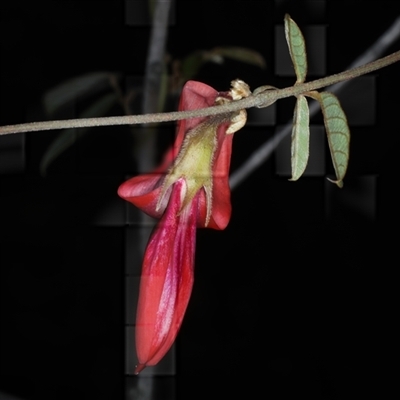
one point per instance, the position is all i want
(75, 88)
(338, 133)
(297, 48)
(68, 137)
(300, 138)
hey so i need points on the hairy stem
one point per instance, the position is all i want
(261, 99)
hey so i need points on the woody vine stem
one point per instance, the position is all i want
(260, 98)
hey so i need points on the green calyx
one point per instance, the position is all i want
(194, 164)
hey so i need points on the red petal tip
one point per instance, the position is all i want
(139, 368)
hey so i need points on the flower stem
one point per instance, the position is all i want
(261, 99)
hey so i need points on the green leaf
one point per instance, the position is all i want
(192, 63)
(242, 54)
(338, 133)
(73, 89)
(300, 138)
(68, 137)
(297, 48)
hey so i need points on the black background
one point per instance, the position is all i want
(286, 301)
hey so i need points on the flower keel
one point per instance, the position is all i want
(167, 280)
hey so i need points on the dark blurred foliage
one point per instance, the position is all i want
(294, 298)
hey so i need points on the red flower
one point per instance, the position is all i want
(193, 192)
